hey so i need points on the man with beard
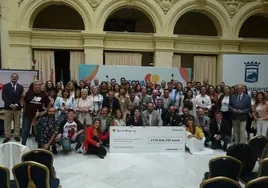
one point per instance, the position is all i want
(171, 118)
(111, 103)
(151, 117)
(47, 128)
(185, 115)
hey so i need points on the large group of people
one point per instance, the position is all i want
(83, 112)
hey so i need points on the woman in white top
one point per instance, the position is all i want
(223, 104)
(253, 97)
(119, 119)
(84, 108)
(71, 89)
(188, 101)
(116, 90)
(63, 104)
(260, 114)
(96, 99)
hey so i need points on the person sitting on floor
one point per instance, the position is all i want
(92, 142)
(220, 130)
(71, 131)
(47, 128)
(195, 137)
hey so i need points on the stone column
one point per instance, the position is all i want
(94, 48)
(164, 49)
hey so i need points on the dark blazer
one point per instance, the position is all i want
(164, 111)
(115, 104)
(175, 121)
(244, 104)
(225, 129)
(11, 97)
(131, 121)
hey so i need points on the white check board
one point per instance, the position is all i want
(147, 139)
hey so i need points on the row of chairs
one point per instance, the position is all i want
(238, 165)
(35, 170)
(224, 182)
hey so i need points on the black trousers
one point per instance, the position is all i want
(217, 143)
(99, 151)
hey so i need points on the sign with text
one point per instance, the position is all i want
(250, 70)
(139, 74)
(147, 139)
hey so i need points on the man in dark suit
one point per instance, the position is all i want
(185, 115)
(160, 108)
(240, 106)
(12, 95)
(111, 103)
(172, 118)
(220, 130)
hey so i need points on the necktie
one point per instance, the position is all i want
(13, 87)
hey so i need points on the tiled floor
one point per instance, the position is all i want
(139, 170)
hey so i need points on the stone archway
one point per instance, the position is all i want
(58, 17)
(129, 20)
(214, 10)
(144, 6)
(32, 8)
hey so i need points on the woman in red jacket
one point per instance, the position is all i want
(92, 143)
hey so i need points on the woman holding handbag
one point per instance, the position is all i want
(84, 108)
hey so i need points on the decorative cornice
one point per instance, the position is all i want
(232, 6)
(166, 5)
(94, 3)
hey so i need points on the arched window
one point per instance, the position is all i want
(255, 27)
(129, 20)
(59, 17)
(195, 23)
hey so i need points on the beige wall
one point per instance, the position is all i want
(17, 37)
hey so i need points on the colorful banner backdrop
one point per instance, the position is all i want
(133, 73)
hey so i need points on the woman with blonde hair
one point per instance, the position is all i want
(70, 87)
(195, 137)
(84, 108)
(97, 100)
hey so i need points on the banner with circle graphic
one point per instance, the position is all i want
(134, 73)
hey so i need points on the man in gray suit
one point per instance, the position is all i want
(240, 106)
(151, 117)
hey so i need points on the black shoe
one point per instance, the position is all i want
(100, 156)
(6, 140)
(206, 145)
(54, 150)
(224, 148)
(17, 139)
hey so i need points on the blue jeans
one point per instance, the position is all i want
(66, 142)
(26, 125)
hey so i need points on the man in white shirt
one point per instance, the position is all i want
(203, 100)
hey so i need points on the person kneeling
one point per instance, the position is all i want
(195, 137)
(92, 142)
(71, 131)
(220, 130)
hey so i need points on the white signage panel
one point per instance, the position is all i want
(250, 70)
(147, 139)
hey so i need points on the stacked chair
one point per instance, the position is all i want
(220, 182)
(35, 171)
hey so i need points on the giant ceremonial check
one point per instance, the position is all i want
(152, 75)
(147, 139)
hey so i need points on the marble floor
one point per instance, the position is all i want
(138, 170)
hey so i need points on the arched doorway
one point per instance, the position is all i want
(255, 26)
(129, 20)
(198, 23)
(60, 17)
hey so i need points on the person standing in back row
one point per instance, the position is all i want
(240, 106)
(35, 100)
(11, 95)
